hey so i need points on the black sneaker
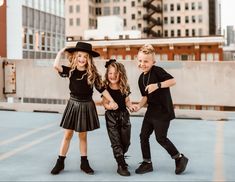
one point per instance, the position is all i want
(145, 167)
(180, 164)
(123, 171)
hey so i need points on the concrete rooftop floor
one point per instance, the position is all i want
(29, 145)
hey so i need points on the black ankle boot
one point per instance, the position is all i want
(59, 166)
(85, 166)
(122, 166)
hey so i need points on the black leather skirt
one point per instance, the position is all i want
(80, 115)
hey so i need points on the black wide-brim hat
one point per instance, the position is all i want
(85, 47)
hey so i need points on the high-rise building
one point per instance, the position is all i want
(230, 35)
(34, 29)
(154, 18)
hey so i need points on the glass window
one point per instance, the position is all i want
(178, 19)
(178, 32)
(193, 19)
(165, 20)
(166, 33)
(172, 33)
(186, 6)
(71, 21)
(132, 3)
(193, 6)
(199, 5)
(172, 20)
(78, 21)
(199, 18)
(77, 8)
(106, 10)
(124, 9)
(172, 7)
(186, 19)
(165, 7)
(133, 16)
(187, 32)
(116, 10)
(70, 9)
(178, 7)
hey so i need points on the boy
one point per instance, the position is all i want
(154, 83)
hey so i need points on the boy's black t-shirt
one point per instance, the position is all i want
(78, 85)
(160, 98)
(118, 97)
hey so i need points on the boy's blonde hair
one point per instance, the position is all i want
(147, 49)
(92, 73)
(123, 82)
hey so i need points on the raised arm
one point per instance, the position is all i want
(56, 64)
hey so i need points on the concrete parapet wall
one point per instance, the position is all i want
(198, 83)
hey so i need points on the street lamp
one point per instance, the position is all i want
(1, 2)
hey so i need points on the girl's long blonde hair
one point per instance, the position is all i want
(123, 84)
(93, 77)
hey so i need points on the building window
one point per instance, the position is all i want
(178, 32)
(165, 7)
(172, 33)
(200, 33)
(132, 3)
(186, 6)
(78, 21)
(139, 13)
(172, 20)
(186, 19)
(193, 32)
(98, 11)
(71, 21)
(139, 25)
(172, 7)
(193, 19)
(200, 19)
(116, 10)
(187, 32)
(193, 6)
(178, 7)
(133, 16)
(165, 20)
(178, 19)
(124, 22)
(77, 8)
(166, 33)
(199, 5)
(70, 9)
(124, 9)
(106, 10)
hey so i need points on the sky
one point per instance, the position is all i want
(227, 13)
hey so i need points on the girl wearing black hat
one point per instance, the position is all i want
(80, 114)
(117, 120)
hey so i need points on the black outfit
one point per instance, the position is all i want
(80, 113)
(118, 124)
(159, 112)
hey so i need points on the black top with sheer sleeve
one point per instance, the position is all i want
(78, 85)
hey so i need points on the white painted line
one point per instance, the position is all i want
(25, 147)
(219, 152)
(18, 137)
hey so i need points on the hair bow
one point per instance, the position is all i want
(109, 62)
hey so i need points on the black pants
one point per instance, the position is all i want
(155, 121)
(119, 131)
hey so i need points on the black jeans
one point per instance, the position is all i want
(155, 121)
(119, 131)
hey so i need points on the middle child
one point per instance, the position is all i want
(118, 121)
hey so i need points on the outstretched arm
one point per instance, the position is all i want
(129, 105)
(142, 102)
